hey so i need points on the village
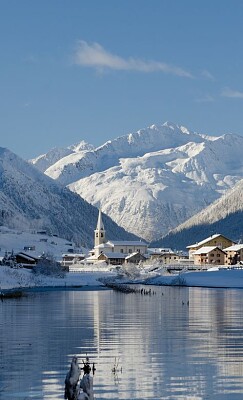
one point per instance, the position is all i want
(215, 250)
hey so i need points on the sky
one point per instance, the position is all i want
(94, 70)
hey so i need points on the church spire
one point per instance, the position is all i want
(99, 231)
(100, 225)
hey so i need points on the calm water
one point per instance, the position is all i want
(167, 349)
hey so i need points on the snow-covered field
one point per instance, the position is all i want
(22, 278)
(19, 241)
(11, 278)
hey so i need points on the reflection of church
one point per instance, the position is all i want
(116, 251)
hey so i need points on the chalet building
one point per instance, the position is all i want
(216, 240)
(234, 254)
(164, 256)
(25, 260)
(70, 259)
(115, 251)
(135, 258)
(209, 255)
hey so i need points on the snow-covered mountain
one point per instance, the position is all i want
(31, 200)
(224, 216)
(152, 180)
(44, 161)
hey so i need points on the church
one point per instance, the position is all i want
(115, 252)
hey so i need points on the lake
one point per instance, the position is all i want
(177, 343)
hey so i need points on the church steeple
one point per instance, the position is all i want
(99, 231)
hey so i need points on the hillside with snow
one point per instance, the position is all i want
(152, 180)
(31, 200)
(35, 243)
(224, 216)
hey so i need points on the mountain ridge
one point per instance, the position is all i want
(224, 216)
(30, 199)
(152, 180)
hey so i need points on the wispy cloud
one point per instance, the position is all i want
(95, 56)
(205, 99)
(206, 74)
(235, 94)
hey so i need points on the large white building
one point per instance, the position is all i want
(116, 251)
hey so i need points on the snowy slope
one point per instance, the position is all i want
(31, 200)
(44, 161)
(224, 216)
(19, 240)
(154, 179)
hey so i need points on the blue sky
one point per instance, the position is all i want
(93, 70)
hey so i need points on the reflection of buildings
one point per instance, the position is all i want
(183, 345)
(166, 348)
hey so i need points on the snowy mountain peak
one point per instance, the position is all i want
(81, 146)
(151, 180)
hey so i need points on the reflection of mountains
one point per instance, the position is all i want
(38, 333)
(217, 315)
(164, 346)
(160, 337)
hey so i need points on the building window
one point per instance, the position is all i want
(101, 235)
(97, 235)
(130, 251)
(121, 251)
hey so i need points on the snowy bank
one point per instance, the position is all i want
(23, 278)
(224, 278)
(96, 276)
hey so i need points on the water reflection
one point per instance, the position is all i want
(164, 347)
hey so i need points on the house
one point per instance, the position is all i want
(234, 254)
(209, 255)
(164, 256)
(114, 251)
(215, 240)
(70, 258)
(135, 258)
(26, 260)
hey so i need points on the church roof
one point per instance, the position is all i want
(127, 243)
(115, 255)
(103, 245)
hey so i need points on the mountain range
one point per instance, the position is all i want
(224, 216)
(30, 200)
(150, 181)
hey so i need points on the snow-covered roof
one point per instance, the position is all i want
(206, 249)
(127, 243)
(155, 250)
(204, 241)
(26, 256)
(103, 245)
(134, 254)
(115, 255)
(235, 247)
(73, 255)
